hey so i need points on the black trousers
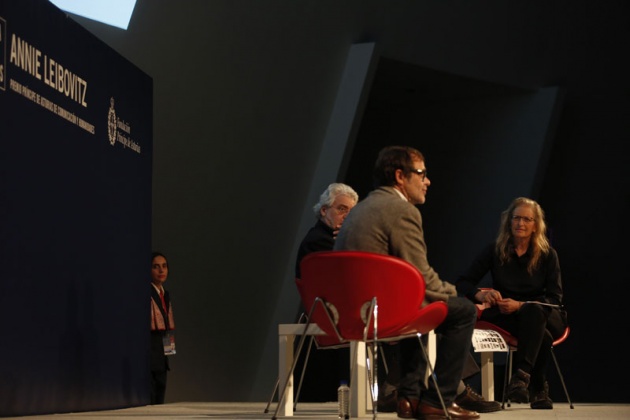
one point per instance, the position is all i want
(158, 386)
(454, 334)
(536, 327)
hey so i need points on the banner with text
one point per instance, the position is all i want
(75, 216)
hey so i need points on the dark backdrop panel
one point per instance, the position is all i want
(482, 151)
(75, 212)
(587, 200)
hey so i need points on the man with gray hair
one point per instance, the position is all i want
(331, 210)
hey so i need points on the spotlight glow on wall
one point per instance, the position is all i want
(111, 12)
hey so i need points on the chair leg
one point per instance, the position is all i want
(383, 358)
(373, 378)
(555, 361)
(374, 368)
(371, 368)
(426, 356)
(273, 393)
(507, 377)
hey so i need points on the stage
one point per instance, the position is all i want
(253, 410)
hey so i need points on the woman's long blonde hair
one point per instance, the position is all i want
(539, 244)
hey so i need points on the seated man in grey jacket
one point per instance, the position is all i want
(388, 222)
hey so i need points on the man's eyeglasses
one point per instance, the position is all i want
(523, 219)
(341, 210)
(421, 172)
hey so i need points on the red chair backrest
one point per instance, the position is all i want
(349, 279)
(563, 337)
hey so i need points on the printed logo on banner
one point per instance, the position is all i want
(120, 131)
(111, 123)
(3, 54)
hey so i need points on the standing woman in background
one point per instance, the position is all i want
(162, 324)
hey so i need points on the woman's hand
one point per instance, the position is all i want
(508, 306)
(489, 296)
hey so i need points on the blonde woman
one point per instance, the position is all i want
(525, 296)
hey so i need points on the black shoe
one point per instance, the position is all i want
(517, 389)
(472, 401)
(540, 400)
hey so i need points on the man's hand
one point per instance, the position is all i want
(489, 296)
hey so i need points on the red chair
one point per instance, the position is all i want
(365, 297)
(512, 343)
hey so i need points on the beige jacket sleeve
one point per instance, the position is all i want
(387, 224)
(407, 242)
